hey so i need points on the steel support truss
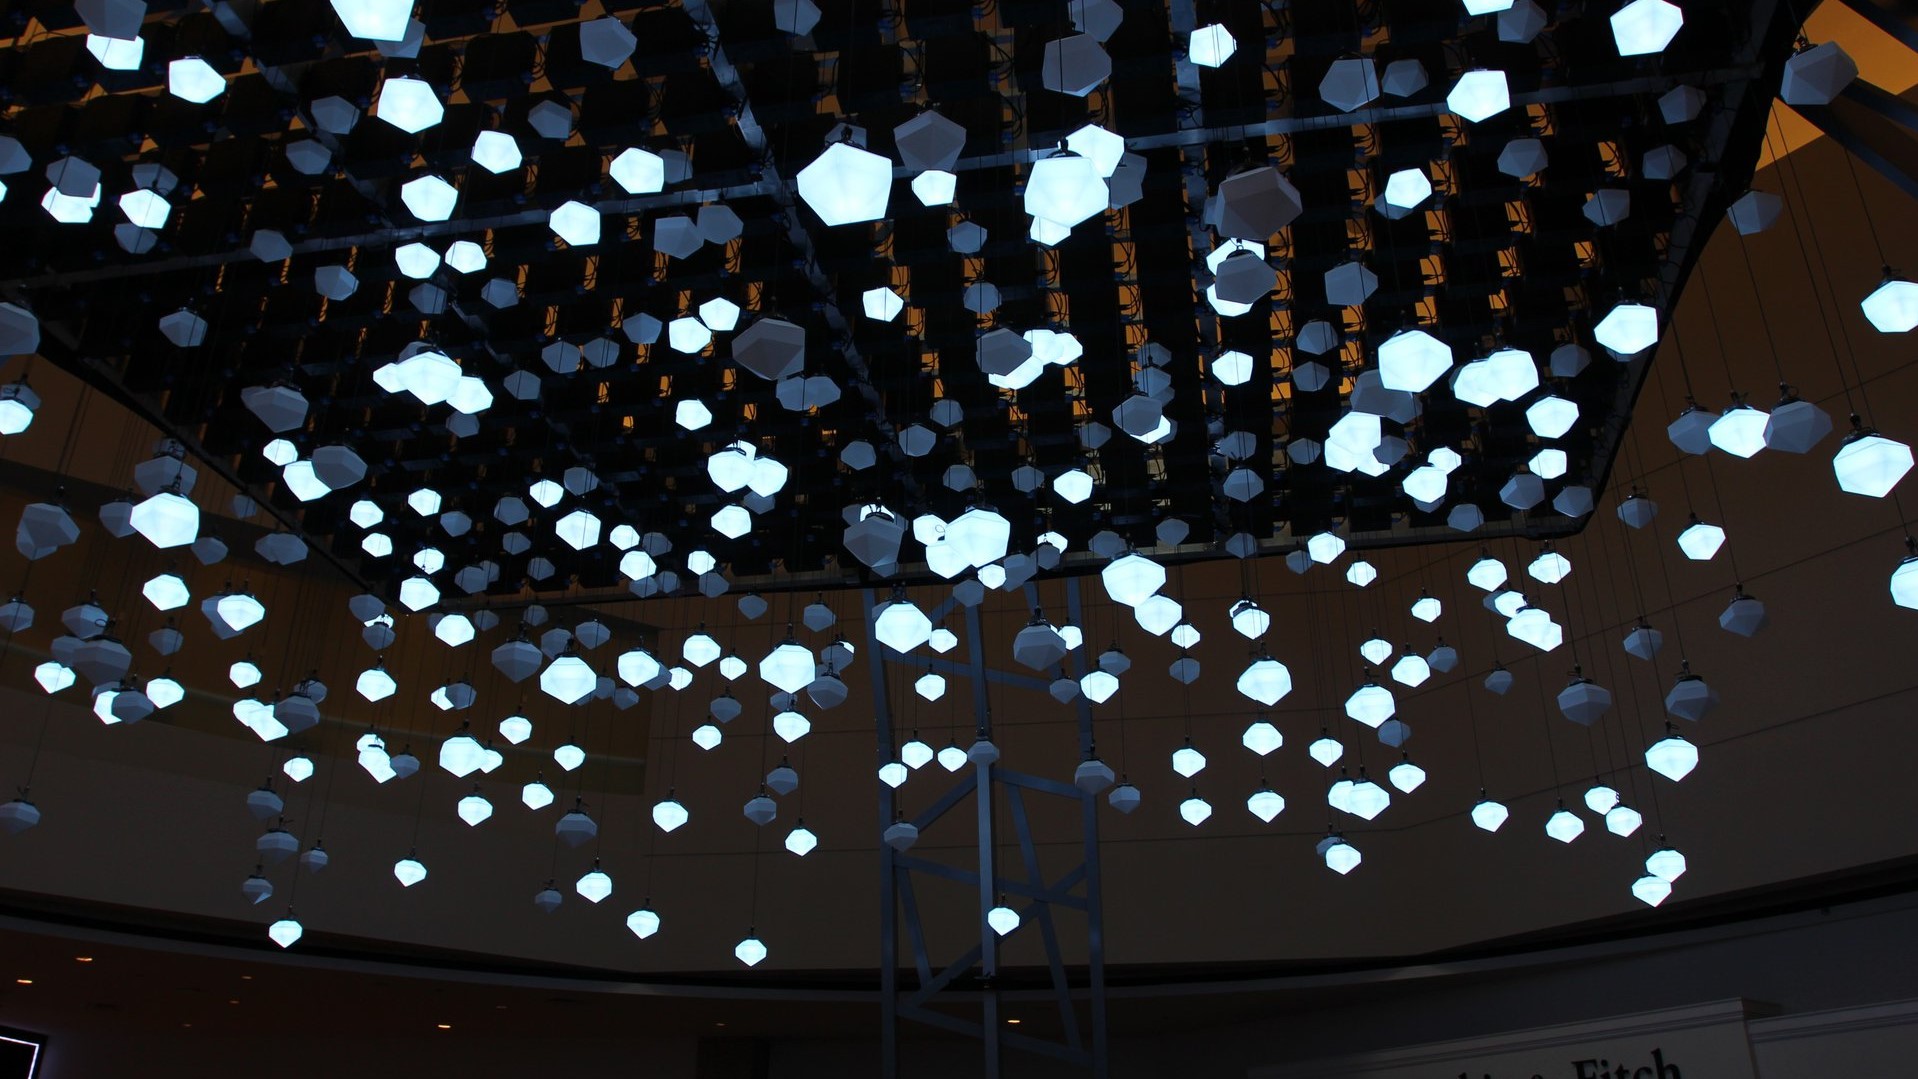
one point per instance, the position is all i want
(974, 976)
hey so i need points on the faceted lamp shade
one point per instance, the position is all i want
(1651, 890)
(1672, 757)
(1255, 204)
(1904, 584)
(1074, 64)
(1645, 26)
(575, 222)
(429, 197)
(496, 152)
(167, 520)
(1489, 815)
(1265, 680)
(1371, 704)
(1893, 306)
(1564, 826)
(1065, 189)
(1739, 430)
(1623, 820)
(1340, 857)
(595, 885)
(408, 104)
(788, 667)
(1195, 810)
(1211, 46)
(1411, 360)
(568, 680)
(1700, 541)
(409, 871)
(1628, 328)
(18, 402)
(846, 184)
(193, 79)
(1817, 75)
(1479, 95)
(1666, 864)
(474, 810)
(751, 951)
(286, 932)
(375, 20)
(1867, 464)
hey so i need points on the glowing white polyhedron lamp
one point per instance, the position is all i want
(751, 951)
(18, 403)
(1564, 825)
(408, 104)
(1479, 95)
(576, 223)
(1739, 430)
(1643, 27)
(375, 20)
(1490, 816)
(788, 667)
(568, 680)
(1672, 757)
(167, 519)
(1628, 328)
(1265, 680)
(846, 184)
(1700, 541)
(1867, 464)
(1411, 360)
(1340, 857)
(1904, 583)
(1893, 306)
(1065, 189)
(1210, 46)
(193, 79)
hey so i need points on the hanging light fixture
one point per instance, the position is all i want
(1623, 820)
(536, 795)
(167, 519)
(1261, 737)
(846, 184)
(788, 667)
(669, 814)
(643, 922)
(1370, 704)
(1065, 189)
(595, 885)
(1868, 463)
(568, 679)
(1892, 307)
(1489, 815)
(1651, 890)
(1666, 864)
(409, 870)
(1340, 857)
(751, 951)
(1406, 776)
(1628, 329)
(1643, 27)
(1564, 825)
(1131, 578)
(1672, 756)
(475, 809)
(1265, 680)
(1700, 541)
(1740, 429)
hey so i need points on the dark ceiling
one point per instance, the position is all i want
(1497, 260)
